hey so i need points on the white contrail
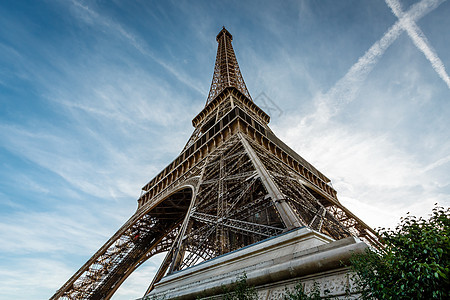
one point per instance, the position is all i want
(437, 164)
(419, 39)
(345, 89)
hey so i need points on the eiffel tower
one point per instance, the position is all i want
(234, 184)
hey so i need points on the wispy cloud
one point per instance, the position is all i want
(31, 277)
(63, 156)
(374, 177)
(135, 285)
(111, 114)
(419, 39)
(51, 232)
(89, 15)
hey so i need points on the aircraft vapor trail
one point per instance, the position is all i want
(419, 39)
(345, 89)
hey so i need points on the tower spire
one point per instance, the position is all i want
(226, 69)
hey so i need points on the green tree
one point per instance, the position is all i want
(413, 264)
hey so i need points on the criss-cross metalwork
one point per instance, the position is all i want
(234, 184)
(226, 69)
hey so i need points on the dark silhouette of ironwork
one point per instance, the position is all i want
(235, 183)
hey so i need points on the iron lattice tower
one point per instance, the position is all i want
(234, 183)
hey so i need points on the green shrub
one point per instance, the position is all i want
(413, 264)
(299, 293)
(240, 290)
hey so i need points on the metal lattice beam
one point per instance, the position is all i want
(226, 70)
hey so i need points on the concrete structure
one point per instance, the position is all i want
(301, 255)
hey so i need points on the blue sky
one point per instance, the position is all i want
(96, 97)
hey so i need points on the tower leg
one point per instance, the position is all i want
(287, 214)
